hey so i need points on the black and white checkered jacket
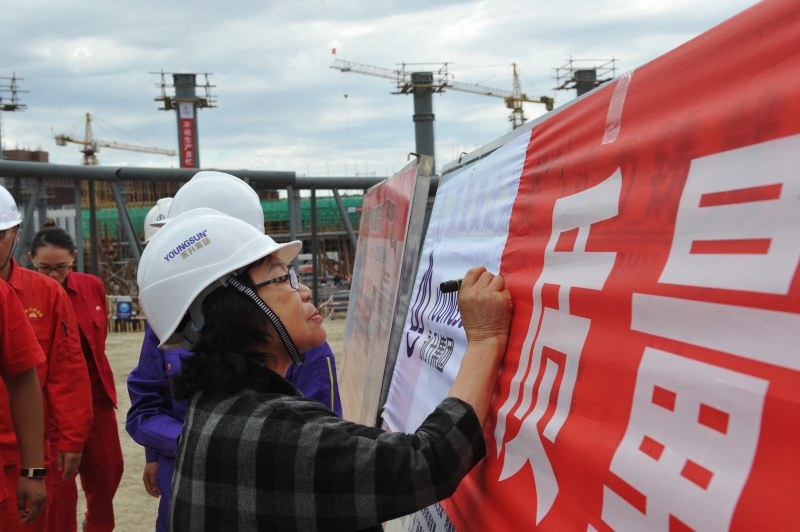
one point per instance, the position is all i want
(269, 459)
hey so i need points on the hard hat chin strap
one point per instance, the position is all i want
(296, 356)
(191, 334)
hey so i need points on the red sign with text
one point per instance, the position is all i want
(652, 379)
(186, 111)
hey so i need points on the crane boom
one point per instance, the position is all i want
(513, 98)
(92, 145)
(360, 68)
(133, 147)
(479, 89)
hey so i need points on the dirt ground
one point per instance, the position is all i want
(135, 510)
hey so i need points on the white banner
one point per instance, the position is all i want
(468, 227)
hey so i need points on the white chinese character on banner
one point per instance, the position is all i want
(694, 428)
(689, 446)
(556, 335)
(737, 220)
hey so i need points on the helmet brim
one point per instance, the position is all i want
(9, 225)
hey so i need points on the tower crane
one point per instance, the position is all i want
(406, 83)
(91, 145)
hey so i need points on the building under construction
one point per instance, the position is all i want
(115, 258)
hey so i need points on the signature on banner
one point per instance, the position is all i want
(437, 348)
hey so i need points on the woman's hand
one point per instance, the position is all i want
(485, 307)
(149, 479)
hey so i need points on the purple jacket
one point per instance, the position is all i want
(155, 420)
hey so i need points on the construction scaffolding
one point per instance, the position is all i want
(112, 233)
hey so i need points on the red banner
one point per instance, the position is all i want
(652, 380)
(377, 269)
(186, 111)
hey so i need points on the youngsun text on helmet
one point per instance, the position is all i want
(189, 246)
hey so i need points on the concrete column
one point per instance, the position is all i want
(185, 90)
(586, 80)
(423, 112)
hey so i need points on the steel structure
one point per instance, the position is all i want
(584, 75)
(92, 145)
(116, 176)
(186, 102)
(12, 103)
(424, 84)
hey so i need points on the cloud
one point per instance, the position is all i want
(280, 105)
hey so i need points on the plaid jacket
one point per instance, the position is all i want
(269, 459)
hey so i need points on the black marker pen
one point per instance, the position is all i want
(448, 287)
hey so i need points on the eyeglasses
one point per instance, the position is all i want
(291, 277)
(9, 230)
(60, 269)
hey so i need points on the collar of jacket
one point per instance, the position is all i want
(267, 381)
(15, 278)
(69, 283)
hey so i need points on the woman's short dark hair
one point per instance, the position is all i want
(50, 235)
(231, 353)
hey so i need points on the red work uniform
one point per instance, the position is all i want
(19, 350)
(65, 384)
(101, 465)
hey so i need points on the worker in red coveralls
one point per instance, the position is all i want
(63, 375)
(53, 252)
(20, 353)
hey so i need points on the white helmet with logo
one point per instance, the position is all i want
(9, 215)
(222, 192)
(157, 214)
(190, 257)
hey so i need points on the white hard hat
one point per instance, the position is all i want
(9, 215)
(222, 192)
(156, 214)
(186, 259)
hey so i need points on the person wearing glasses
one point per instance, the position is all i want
(62, 374)
(155, 419)
(23, 475)
(53, 253)
(254, 454)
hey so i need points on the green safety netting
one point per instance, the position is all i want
(275, 212)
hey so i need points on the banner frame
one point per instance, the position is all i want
(415, 237)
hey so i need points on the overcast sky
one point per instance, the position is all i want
(280, 106)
